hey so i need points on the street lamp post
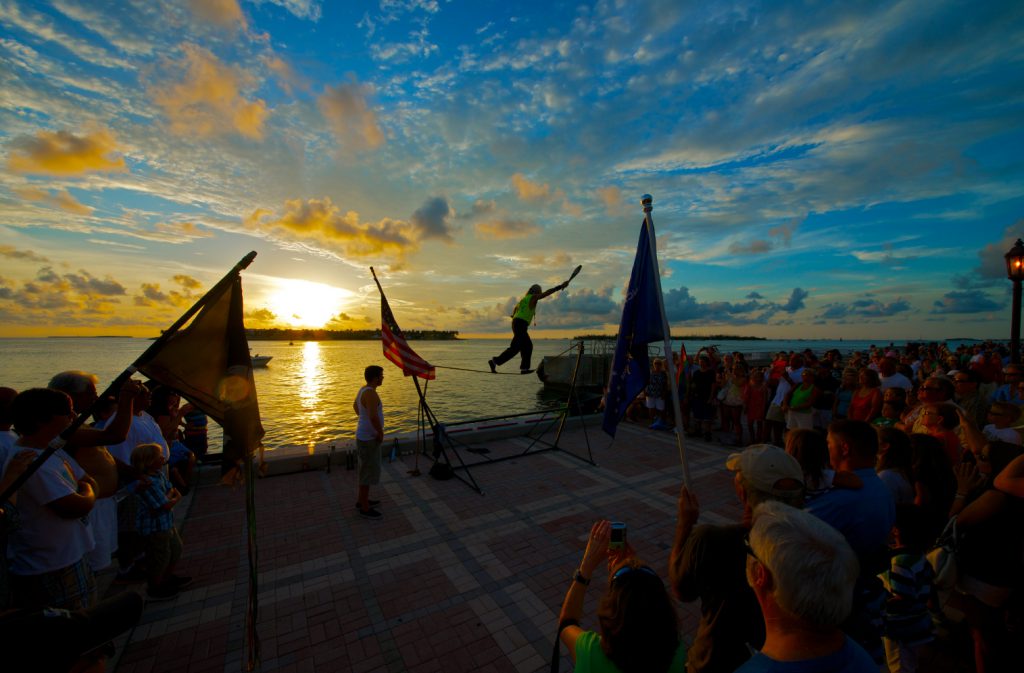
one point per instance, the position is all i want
(1015, 272)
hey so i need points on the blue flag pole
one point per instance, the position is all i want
(647, 200)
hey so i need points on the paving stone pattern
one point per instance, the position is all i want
(449, 580)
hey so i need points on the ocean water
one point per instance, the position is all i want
(306, 392)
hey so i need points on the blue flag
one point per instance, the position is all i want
(641, 324)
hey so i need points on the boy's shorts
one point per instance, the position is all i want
(775, 414)
(368, 453)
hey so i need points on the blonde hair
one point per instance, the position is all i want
(143, 455)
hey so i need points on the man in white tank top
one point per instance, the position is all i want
(369, 437)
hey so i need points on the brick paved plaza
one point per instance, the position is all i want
(448, 581)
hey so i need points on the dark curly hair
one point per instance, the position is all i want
(639, 626)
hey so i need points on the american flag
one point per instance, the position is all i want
(396, 348)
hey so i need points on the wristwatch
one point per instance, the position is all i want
(578, 577)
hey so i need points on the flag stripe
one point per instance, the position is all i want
(396, 348)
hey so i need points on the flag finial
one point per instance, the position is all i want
(647, 200)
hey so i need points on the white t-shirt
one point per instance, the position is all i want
(1008, 435)
(901, 489)
(784, 387)
(897, 380)
(44, 541)
(143, 430)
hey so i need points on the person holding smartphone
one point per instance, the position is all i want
(638, 627)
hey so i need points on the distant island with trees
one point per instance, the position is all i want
(678, 337)
(278, 334)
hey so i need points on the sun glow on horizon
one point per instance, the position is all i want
(302, 303)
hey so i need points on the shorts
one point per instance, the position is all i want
(163, 549)
(800, 420)
(71, 588)
(368, 453)
(656, 403)
(775, 414)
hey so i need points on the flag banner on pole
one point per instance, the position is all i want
(640, 325)
(208, 363)
(395, 346)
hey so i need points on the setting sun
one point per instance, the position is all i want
(300, 303)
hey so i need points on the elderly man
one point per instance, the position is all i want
(707, 562)
(802, 572)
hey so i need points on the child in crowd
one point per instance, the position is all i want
(195, 430)
(755, 403)
(907, 624)
(890, 414)
(155, 523)
(732, 400)
(657, 388)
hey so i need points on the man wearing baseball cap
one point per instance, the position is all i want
(709, 562)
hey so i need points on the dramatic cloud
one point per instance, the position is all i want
(431, 220)
(64, 153)
(208, 100)
(864, 308)
(224, 13)
(354, 124)
(795, 301)
(504, 229)
(320, 222)
(681, 306)
(965, 301)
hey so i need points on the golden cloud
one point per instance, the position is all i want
(528, 190)
(61, 199)
(226, 13)
(611, 197)
(506, 229)
(321, 221)
(354, 124)
(208, 100)
(64, 153)
(10, 252)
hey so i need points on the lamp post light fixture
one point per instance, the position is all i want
(1015, 272)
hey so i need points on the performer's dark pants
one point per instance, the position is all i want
(521, 343)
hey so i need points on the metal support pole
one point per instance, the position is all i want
(1015, 325)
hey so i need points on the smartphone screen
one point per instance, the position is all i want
(618, 536)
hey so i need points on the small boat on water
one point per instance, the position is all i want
(261, 360)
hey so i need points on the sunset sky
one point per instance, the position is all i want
(819, 169)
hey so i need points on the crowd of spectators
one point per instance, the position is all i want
(852, 469)
(106, 493)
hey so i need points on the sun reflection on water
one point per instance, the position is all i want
(310, 388)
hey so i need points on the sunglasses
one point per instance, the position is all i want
(626, 570)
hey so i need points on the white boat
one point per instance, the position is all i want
(261, 360)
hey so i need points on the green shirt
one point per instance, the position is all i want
(590, 658)
(523, 309)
